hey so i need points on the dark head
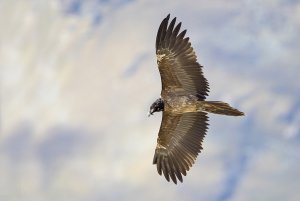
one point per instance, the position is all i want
(157, 106)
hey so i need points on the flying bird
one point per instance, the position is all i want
(182, 101)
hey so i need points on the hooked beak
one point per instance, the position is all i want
(150, 113)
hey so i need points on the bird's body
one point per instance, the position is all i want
(179, 103)
(184, 90)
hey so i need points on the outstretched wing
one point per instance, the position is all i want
(177, 61)
(179, 142)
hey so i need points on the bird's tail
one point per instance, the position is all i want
(218, 107)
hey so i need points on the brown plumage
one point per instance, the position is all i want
(184, 90)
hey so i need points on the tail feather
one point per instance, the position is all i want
(218, 107)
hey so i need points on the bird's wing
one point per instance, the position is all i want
(177, 61)
(179, 142)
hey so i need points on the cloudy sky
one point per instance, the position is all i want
(77, 79)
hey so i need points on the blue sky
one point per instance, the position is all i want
(78, 77)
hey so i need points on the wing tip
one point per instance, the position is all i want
(168, 16)
(167, 167)
(167, 35)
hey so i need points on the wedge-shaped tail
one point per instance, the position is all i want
(218, 107)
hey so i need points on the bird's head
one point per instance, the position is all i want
(157, 106)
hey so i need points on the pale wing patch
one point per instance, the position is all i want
(160, 57)
(159, 146)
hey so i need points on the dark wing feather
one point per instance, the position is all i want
(179, 142)
(177, 61)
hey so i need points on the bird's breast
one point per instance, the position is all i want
(180, 104)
